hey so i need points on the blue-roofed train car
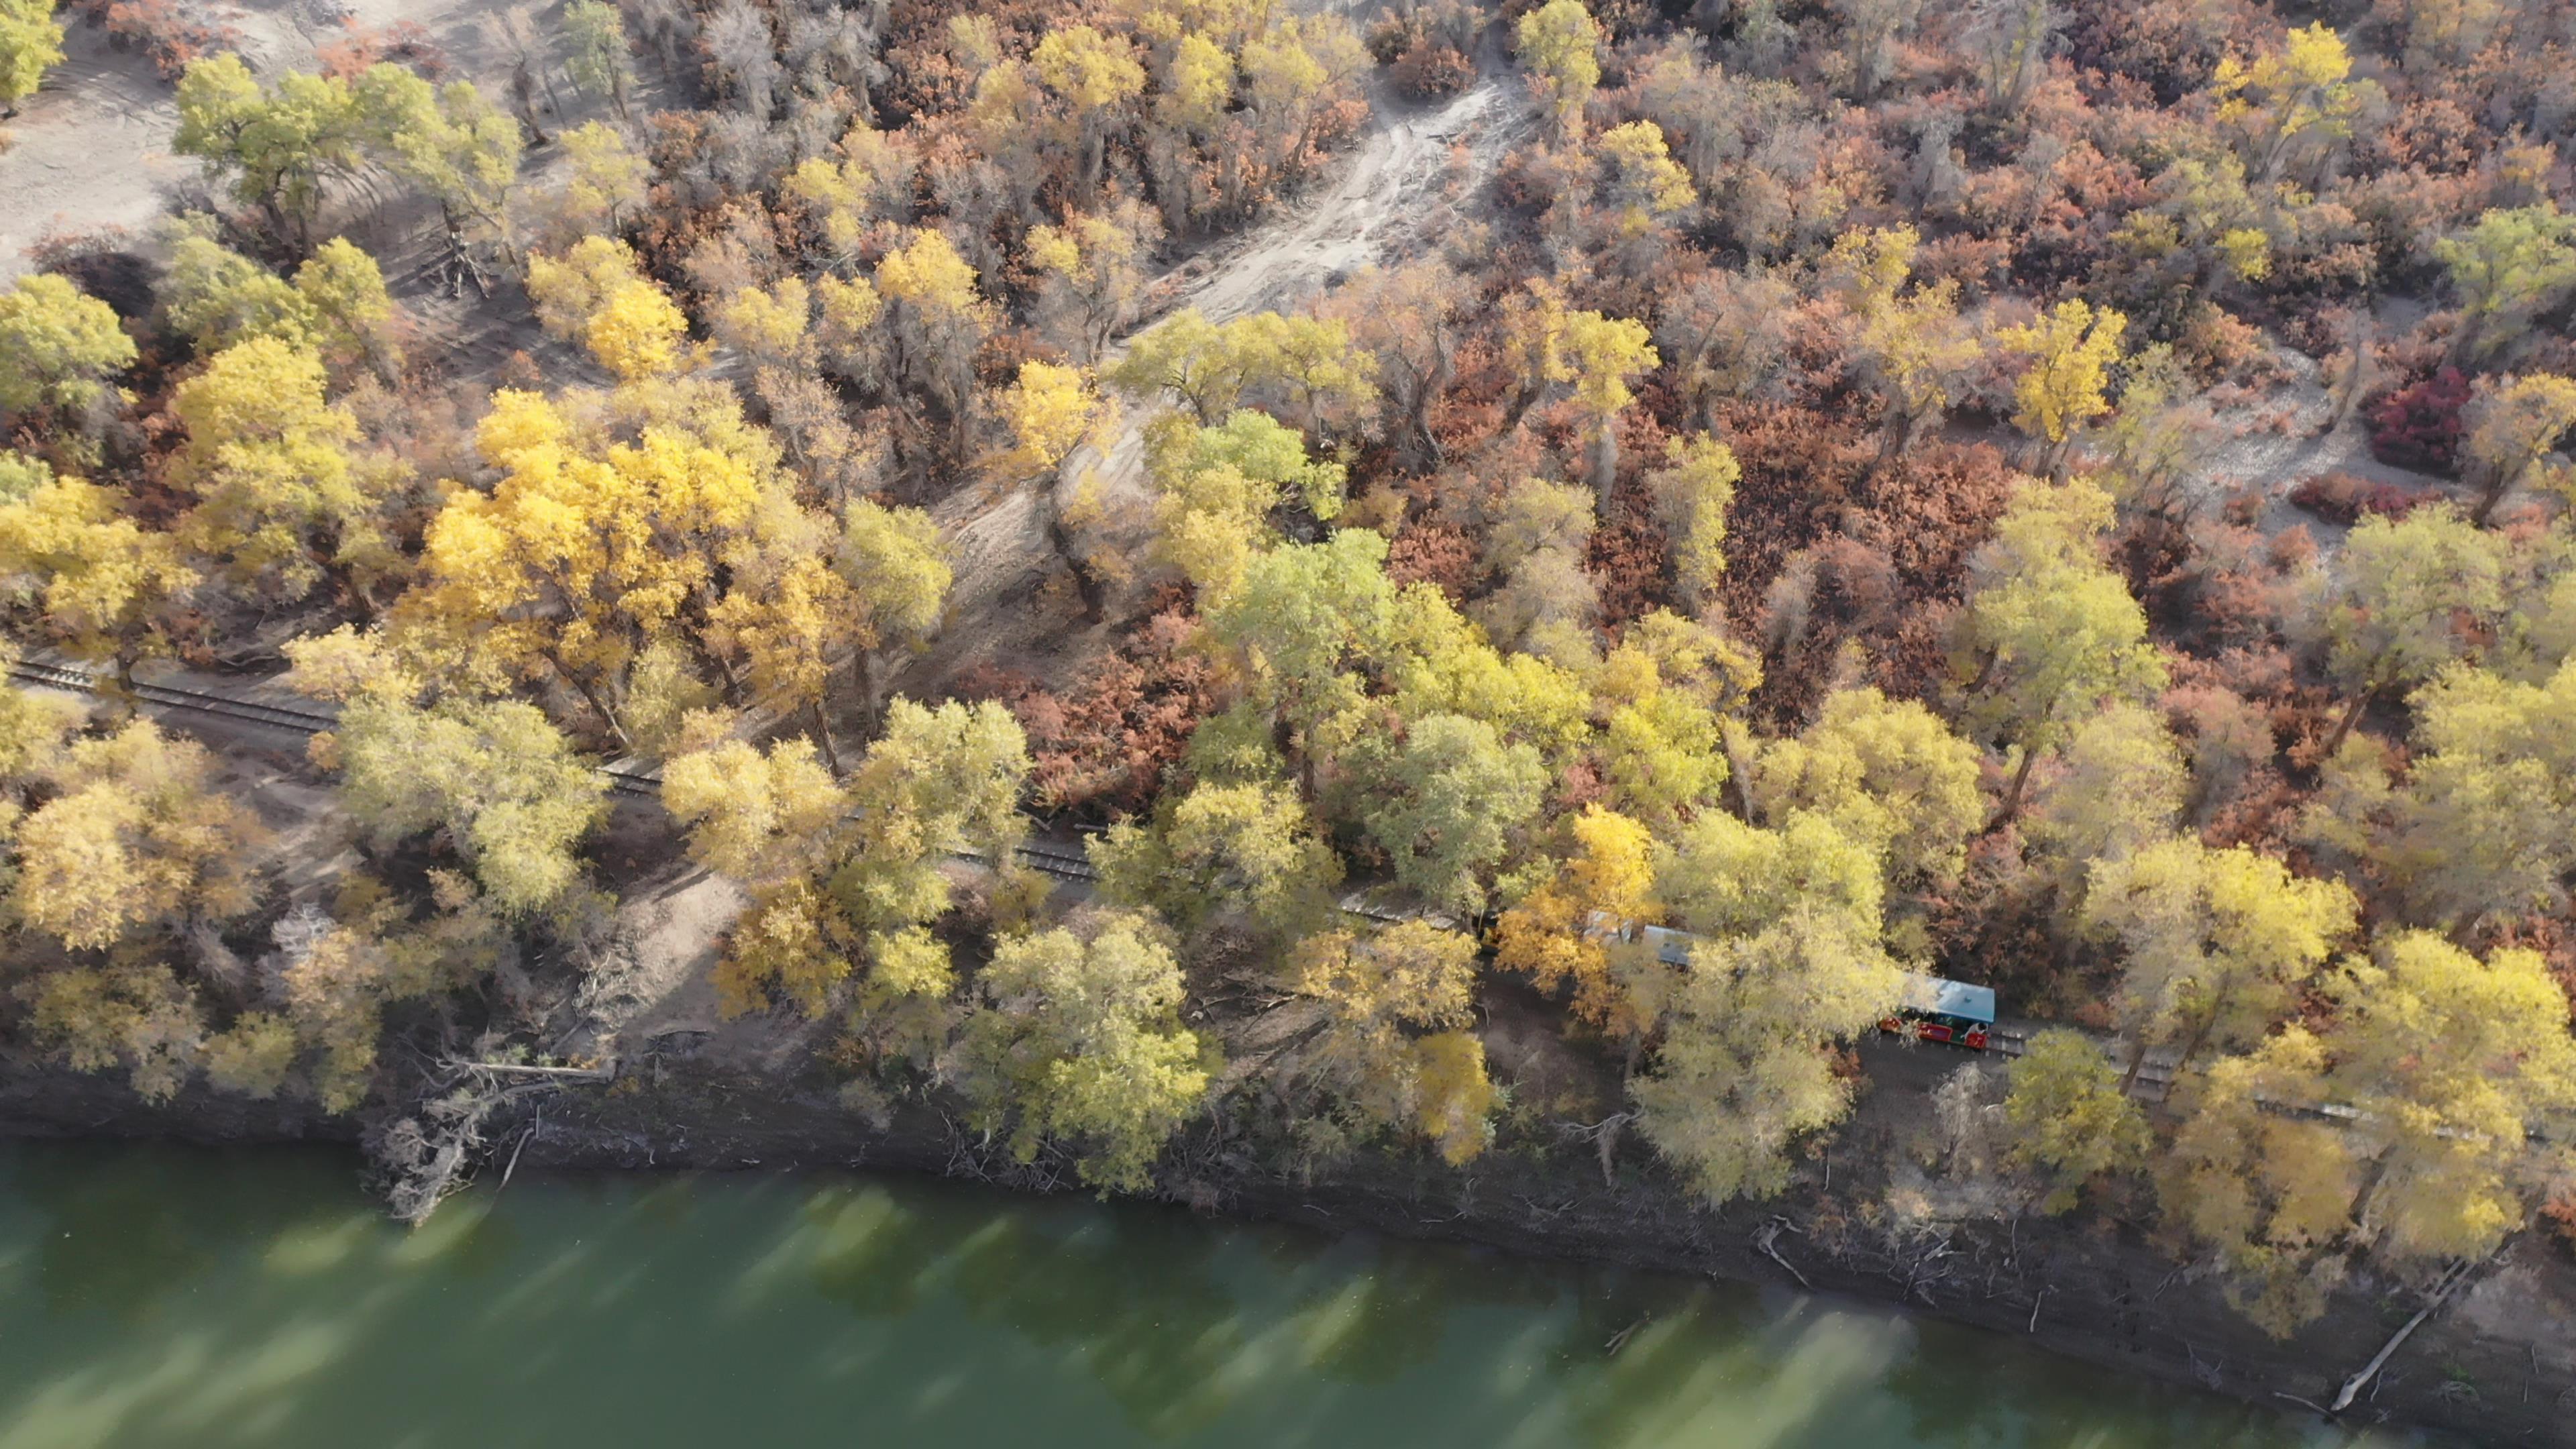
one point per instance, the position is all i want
(1938, 1009)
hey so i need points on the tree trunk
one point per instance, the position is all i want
(863, 674)
(1605, 468)
(2011, 806)
(2351, 717)
(1095, 597)
(823, 736)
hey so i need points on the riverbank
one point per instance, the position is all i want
(2494, 1365)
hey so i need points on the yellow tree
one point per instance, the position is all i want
(102, 582)
(1561, 43)
(2217, 941)
(596, 293)
(1912, 340)
(136, 836)
(580, 555)
(1600, 355)
(1094, 270)
(604, 182)
(1393, 1047)
(279, 498)
(2298, 97)
(938, 320)
(2269, 1190)
(770, 325)
(1644, 183)
(1093, 73)
(769, 819)
(2070, 354)
(1052, 410)
(1565, 933)
(58, 345)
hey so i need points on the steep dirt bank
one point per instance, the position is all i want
(2497, 1364)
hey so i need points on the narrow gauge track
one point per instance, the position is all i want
(632, 781)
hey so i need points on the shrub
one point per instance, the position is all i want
(2347, 498)
(2419, 427)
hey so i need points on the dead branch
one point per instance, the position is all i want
(1768, 1239)
(2451, 1280)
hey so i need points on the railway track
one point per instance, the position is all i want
(624, 778)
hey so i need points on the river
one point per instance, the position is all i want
(164, 1296)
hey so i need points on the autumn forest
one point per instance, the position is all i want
(1188, 576)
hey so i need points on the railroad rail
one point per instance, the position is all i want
(623, 777)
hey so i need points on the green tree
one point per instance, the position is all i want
(278, 150)
(2509, 266)
(2055, 632)
(58, 346)
(1079, 1039)
(1888, 773)
(494, 778)
(1790, 961)
(2484, 827)
(2070, 1117)
(1302, 617)
(2400, 603)
(1693, 492)
(595, 51)
(1445, 803)
(2218, 942)
(1222, 851)
(896, 564)
(2120, 789)
(2451, 1061)
(2518, 422)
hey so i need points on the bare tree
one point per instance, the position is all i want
(741, 51)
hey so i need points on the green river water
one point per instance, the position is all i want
(164, 1296)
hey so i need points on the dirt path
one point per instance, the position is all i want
(1405, 178)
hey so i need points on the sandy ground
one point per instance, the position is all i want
(92, 147)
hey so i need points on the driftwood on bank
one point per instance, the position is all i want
(2458, 1274)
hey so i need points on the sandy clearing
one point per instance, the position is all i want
(92, 148)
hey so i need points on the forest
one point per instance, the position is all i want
(2053, 494)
